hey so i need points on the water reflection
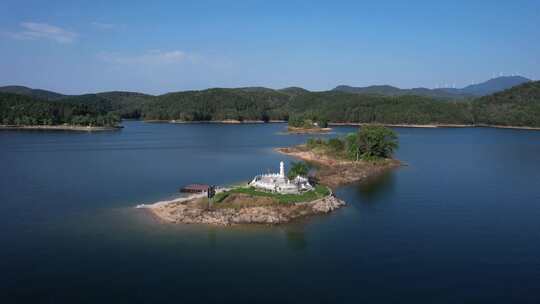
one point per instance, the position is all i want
(212, 238)
(296, 237)
(375, 187)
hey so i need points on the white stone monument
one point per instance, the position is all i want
(279, 182)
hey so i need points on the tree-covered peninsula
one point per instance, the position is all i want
(19, 110)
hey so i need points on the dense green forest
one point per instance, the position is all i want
(518, 106)
(349, 107)
(238, 104)
(17, 109)
(219, 104)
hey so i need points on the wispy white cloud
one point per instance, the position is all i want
(152, 57)
(35, 30)
(105, 26)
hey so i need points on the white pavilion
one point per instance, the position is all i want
(278, 182)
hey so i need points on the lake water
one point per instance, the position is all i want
(459, 224)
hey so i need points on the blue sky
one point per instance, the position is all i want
(89, 46)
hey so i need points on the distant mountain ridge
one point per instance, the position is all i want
(488, 87)
(494, 85)
(37, 93)
(476, 90)
(386, 90)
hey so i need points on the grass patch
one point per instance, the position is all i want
(318, 192)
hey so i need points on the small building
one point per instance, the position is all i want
(280, 183)
(195, 188)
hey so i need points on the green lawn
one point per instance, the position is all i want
(318, 192)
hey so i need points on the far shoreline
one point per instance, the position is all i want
(433, 126)
(226, 121)
(345, 124)
(60, 128)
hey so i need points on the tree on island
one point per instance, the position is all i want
(369, 143)
(375, 142)
(353, 149)
(298, 168)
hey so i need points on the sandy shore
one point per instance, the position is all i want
(172, 201)
(333, 172)
(60, 128)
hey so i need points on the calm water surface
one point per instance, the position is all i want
(459, 224)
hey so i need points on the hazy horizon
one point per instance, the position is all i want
(75, 47)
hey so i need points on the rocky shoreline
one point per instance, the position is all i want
(333, 172)
(195, 210)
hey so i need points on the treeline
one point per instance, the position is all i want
(23, 110)
(518, 106)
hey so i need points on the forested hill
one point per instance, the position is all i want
(37, 93)
(349, 107)
(518, 106)
(238, 104)
(219, 104)
(125, 104)
(16, 109)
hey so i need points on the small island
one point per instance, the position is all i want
(352, 158)
(273, 198)
(306, 190)
(303, 125)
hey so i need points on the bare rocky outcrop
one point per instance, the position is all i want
(252, 210)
